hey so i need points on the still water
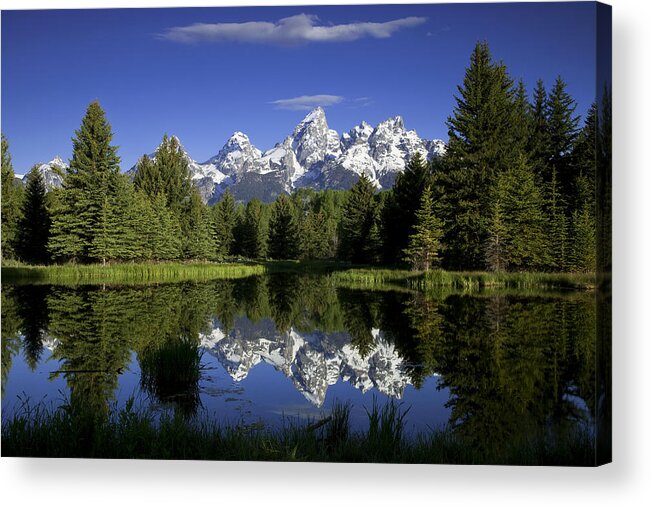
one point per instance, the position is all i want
(285, 347)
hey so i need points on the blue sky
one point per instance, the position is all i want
(203, 73)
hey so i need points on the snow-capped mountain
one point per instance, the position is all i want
(51, 171)
(314, 156)
(313, 361)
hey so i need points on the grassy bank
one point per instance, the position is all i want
(463, 280)
(339, 274)
(128, 273)
(132, 434)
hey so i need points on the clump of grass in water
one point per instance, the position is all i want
(386, 430)
(419, 280)
(171, 371)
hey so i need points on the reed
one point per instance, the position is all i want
(133, 433)
(128, 273)
(418, 280)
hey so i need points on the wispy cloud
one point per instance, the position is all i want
(361, 102)
(299, 29)
(307, 102)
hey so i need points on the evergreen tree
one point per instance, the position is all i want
(255, 230)
(358, 220)
(146, 226)
(11, 202)
(105, 239)
(148, 178)
(496, 245)
(482, 144)
(557, 226)
(374, 243)
(331, 204)
(196, 230)
(425, 242)
(171, 167)
(315, 241)
(522, 126)
(585, 159)
(517, 224)
(481, 133)
(562, 127)
(584, 240)
(167, 239)
(34, 226)
(90, 192)
(128, 247)
(284, 240)
(167, 177)
(225, 218)
(538, 149)
(399, 212)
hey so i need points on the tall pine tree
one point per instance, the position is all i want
(562, 127)
(538, 149)
(482, 144)
(34, 226)
(90, 193)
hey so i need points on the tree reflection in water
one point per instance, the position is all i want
(513, 362)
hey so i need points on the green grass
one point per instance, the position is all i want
(130, 433)
(131, 273)
(365, 277)
(341, 274)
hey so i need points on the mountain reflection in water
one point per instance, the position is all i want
(490, 364)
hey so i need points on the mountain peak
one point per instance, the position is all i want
(395, 123)
(238, 138)
(57, 160)
(315, 114)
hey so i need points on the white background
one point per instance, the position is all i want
(625, 482)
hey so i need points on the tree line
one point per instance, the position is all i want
(515, 190)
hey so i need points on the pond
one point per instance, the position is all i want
(281, 348)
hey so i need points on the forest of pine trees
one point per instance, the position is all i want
(515, 190)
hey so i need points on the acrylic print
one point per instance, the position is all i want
(344, 234)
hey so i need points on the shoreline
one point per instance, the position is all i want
(341, 274)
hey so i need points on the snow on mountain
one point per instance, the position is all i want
(51, 171)
(313, 361)
(236, 157)
(391, 146)
(313, 155)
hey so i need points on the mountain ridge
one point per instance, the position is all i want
(312, 156)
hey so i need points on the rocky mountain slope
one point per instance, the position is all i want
(51, 171)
